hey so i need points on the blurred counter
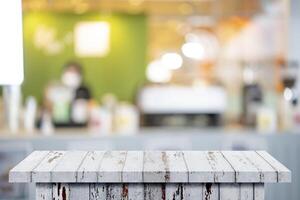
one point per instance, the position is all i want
(83, 133)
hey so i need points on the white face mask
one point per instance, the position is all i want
(71, 79)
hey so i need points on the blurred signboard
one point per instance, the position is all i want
(11, 43)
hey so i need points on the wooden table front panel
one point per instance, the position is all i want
(132, 191)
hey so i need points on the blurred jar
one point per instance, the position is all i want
(266, 120)
(296, 119)
(126, 119)
(12, 106)
(100, 120)
(60, 98)
(30, 114)
(47, 127)
(80, 106)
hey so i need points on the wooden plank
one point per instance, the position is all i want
(111, 167)
(283, 173)
(135, 191)
(22, 172)
(43, 191)
(229, 191)
(175, 191)
(154, 167)
(250, 163)
(88, 170)
(79, 191)
(246, 191)
(176, 167)
(150, 167)
(66, 170)
(61, 191)
(133, 167)
(246, 171)
(206, 166)
(210, 191)
(114, 191)
(223, 171)
(193, 191)
(42, 173)
(97, 191)
(267, 173)
(154, 192)
(259, 191)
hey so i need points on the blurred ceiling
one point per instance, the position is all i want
(169, 20)
(218, 8)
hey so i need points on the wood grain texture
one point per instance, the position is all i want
(114, 191)
(208, 167)
(259, 191)
(246, 191)
(79, 191)
(154, 192)
(193, 191)
(42, 173)
(134, 191)
(210, 191)
(89, 168)
(266, 171)
(174, 191)
(22, 172)
(43, 191)
(155, 170)
(133, 168)
(97, 191)
(110, 170)
(61, 191)
(176, 167)
(166, 191)
(66, 170)
(150, 167)
(229, 192)
(250, 167)
(284, 174)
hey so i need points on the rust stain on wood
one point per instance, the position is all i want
(207, 191)
(163, 192)
(64, 193)
(125, 192)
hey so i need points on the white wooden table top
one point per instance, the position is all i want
(150, 167)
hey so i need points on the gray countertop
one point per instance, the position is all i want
(144, 133)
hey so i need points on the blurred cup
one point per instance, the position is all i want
(266, 120)
(100, 120)
(126, 119)
(30, 114)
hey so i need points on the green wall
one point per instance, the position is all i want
(120, 72)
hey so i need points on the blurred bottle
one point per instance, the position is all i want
(47, 127)
(80, 106)
(266, 121)
(100, 120)
(288, 106)
(61, 98)
(252, 96)
(296, 115)
(30, 114)
(12, 103)
(126, 119)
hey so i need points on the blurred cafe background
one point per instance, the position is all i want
(156, 74)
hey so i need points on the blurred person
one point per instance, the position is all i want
(67, 100)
